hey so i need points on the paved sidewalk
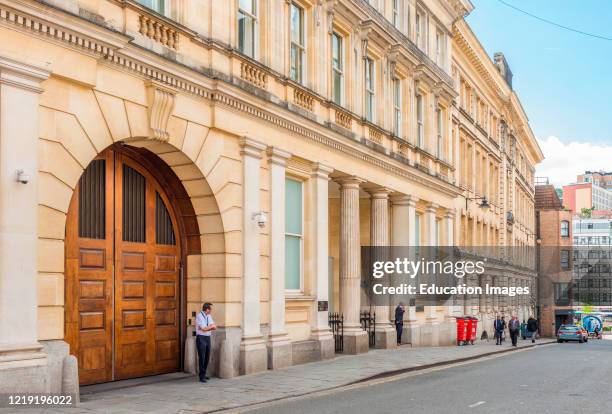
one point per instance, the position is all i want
(187, 395)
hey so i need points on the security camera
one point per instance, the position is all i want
(22, 177)
(261, 219)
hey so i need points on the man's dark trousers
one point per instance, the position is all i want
(203, 345)
(514, 336)
(399, 327)
(498, 337)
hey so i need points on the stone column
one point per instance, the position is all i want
(23, 366)
(511, 308)
(448, 335)
(253, 354)
(431, 329)
(355, 338)
(319, 239)
(403, 230)
(379, 236)
(279, 345)
(496, 307)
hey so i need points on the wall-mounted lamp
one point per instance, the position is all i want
(484, 204)
(261, 218)
(22, 177)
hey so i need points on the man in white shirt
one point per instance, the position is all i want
(204, 327)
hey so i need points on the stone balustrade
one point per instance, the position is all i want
(158, 31)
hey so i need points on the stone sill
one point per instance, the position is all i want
(299, 297)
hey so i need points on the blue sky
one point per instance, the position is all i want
(564, 79)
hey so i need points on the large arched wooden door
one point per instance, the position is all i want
(122, 273)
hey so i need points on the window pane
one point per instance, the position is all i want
(337, 51)
(247, 5)
(157, 5)
(337, 88)
(296, 63)
(246, 34)
(292, 262)
(296, 24)
(293, 206)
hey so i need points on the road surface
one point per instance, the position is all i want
(557, 378)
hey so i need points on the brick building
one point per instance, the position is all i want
(554, 233)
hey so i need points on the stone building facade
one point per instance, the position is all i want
(157, 154)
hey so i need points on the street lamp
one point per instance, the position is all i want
(484, 204)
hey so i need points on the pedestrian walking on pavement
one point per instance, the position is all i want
(204, 327)
(504, 330)
(532, 328)
(498, 325)
(399, 321)
(514, 327)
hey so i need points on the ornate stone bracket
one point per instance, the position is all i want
(365, 28)
(392, 58)
(160, 99)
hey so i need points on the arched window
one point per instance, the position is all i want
(565, 228)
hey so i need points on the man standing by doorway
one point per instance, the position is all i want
(399, 321)
(204, 327)
(514, 327)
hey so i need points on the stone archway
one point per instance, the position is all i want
(207, 164)
(129, 230)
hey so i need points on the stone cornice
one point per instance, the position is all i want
(91, 38)
(22, 75)
(61, 27)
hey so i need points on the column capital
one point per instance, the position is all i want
(381, 193)
(320, 170)
(251, 147)
(400, 199)
(278, 156)
(350, 181)
(22, 75)
(449, 214)
(431, 208)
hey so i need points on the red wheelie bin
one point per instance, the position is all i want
(461, 330)
(471, 329)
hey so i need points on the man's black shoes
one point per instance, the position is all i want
(203, 380)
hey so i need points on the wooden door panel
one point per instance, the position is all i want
(166, 273)
(122, 275)
(89, 268)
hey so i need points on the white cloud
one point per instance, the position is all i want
(564, 161)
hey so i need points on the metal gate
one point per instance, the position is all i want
(336, 323)
(368, 323)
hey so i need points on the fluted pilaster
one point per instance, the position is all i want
(350, 252)
(355, 338)
(379, 236)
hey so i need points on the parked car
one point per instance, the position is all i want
(571, 333)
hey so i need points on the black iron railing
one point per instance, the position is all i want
(368, 323)
(336, 323)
